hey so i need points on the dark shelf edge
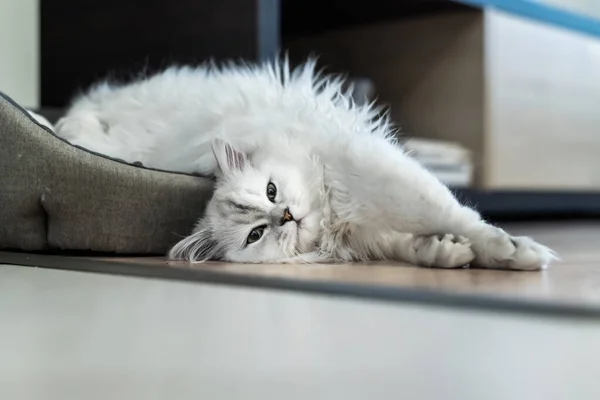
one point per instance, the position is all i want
(525, 204)
(298, 18)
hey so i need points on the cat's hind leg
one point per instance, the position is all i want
(393, 192)
(495, 248)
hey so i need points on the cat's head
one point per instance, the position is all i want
(264, 208)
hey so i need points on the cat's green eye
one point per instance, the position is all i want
(271, 192)
(255, 234)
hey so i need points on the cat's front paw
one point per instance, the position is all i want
(443, 251)
(512, 252)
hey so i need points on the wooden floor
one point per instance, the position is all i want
(66, 333)
(573, 281)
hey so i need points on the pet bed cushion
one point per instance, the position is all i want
(57, 196)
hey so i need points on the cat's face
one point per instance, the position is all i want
(264, 209)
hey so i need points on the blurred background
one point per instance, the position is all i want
(498, 98)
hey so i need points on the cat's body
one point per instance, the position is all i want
(302, 173)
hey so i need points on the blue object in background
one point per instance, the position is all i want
(544, 11)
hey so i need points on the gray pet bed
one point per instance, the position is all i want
(55, 196)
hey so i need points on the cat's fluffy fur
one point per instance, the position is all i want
(344, 190)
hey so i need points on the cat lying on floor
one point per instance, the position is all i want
(303, 174)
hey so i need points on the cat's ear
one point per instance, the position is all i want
(200, 246)
(228, 159)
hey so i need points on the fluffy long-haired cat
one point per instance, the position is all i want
(303, 174)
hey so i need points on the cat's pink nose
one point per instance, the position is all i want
(287, 216)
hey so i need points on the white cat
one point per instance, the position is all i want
(303, 173)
